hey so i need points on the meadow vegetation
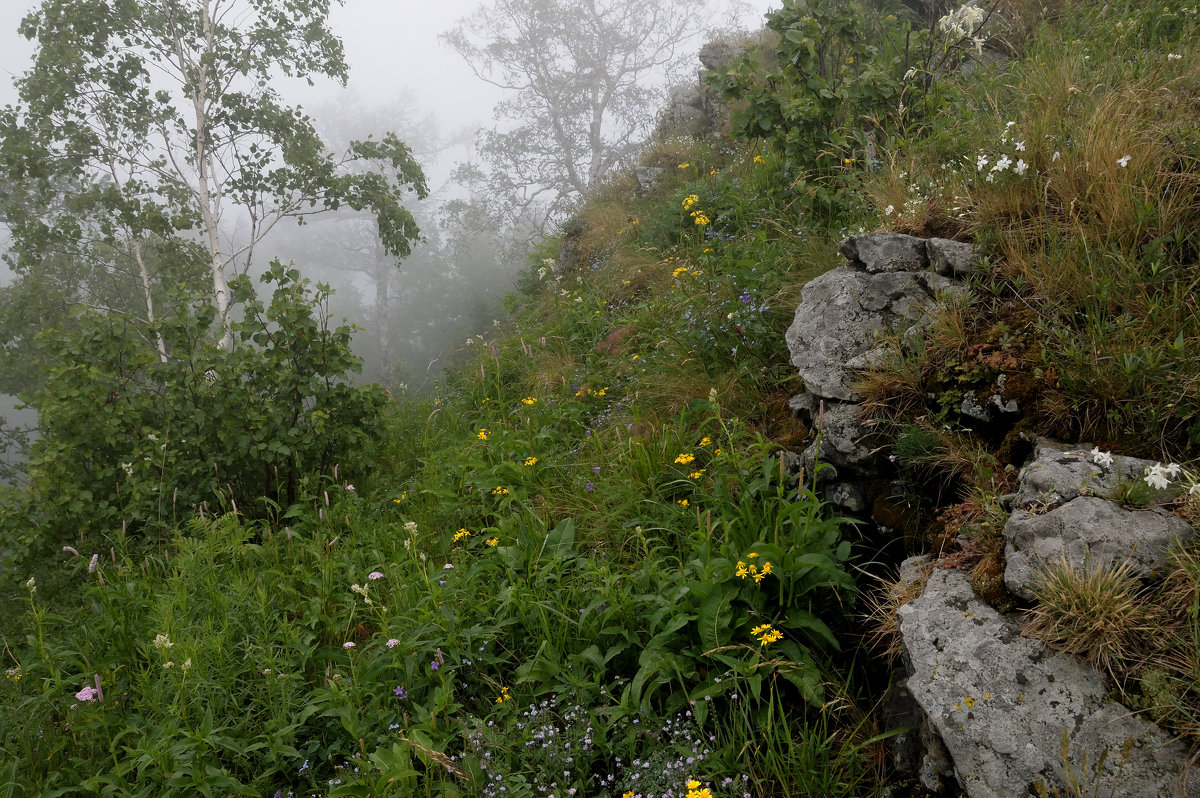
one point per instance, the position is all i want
(585, 564)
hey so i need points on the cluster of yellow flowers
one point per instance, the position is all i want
(685, 458)
(499, 491)
(759, 159)
(462, 533)
(529, 400)
(504, 696)
(766, 634)
(493, 541)
(696, 474)
(483, 434)
(529, 461)
(679, 271)
(694, 790)
(752, 571)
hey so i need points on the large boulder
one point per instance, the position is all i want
(1087, 532)
(1058, 473)
(1001, 704)
(841, 315)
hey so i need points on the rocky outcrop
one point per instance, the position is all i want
(1001, 705)
(890, 281)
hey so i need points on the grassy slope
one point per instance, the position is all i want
(560, 541)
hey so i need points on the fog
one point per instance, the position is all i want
(414, 318)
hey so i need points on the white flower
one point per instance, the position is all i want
(392, 643)
(348, 644)
(1172, 470)
(1056, 155)
(1173, 56)
(1020, 167)
(1102, 459)
(1020, 145)
(1002, 164)
(211, 375)
(162, 642)
(981, 162)
(1156, 477)
(410, 527)
(1124, 161)
(187, 664)
(168, 664)
(1194, 490)
(889, 210)
(350, 488)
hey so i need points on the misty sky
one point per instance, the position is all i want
(390, 44)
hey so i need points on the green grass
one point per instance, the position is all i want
(603, 468)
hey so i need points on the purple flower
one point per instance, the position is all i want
(348, 644)
(374, 575)
(350, 488)
(399, 691)
(441, 583)
(595, 469)
(392, 643)
(87, 694)
(71, 549)
(590, 486)
(745, 298)
(92, 564)
(433, 666)
(447, 567)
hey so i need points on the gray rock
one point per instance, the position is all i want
(885, 252)
(1088, 532)
(716, 55)
(1059, 473)
(837, 442)
(649, 178)
(842, 312)
(1000, 703)
(951, 258)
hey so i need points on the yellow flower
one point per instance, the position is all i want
(483, 433)
(766, 634)
(759, 159)
(758, 577)
(684, 165)
(696, 474)
(462, 533)
(493, 541)
(766, 569)
(530, 461)
(701, 793)
(688, 202)
(628, 794)
(693, 784)
(601, 392)
(685, 458)
(529, 400)
(741, 570)
(752, 555)
(705, 441)
(499, 491)
(504, 696)
(699, 218)
(714, 172)
(679, 271)
(682, 502)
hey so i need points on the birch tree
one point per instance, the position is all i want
(587, 77)
(161, 117)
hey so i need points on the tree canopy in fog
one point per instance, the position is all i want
(587, 79)
(147, 131)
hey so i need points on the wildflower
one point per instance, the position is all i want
(31, 585)
(682, 502)
(1002, 164)
(759, 159)
(161, 642)
(87, 694)
(752, 555)
(399, 691)
(1102, 459)
(350, 488)
(187, 664)
(448, 567)
(689, 201)
(1019, 146)
(1173, 56)
(499, 491)
(348, 644)
(433, 666)
(504, 696)
(483, 434)
(685, 458)
(1056, 155)
(493, 541)
(767, 567)
(595, 469)
(168, 665)
(529, 461)
(1156, 477)
(889, 210)
(410, 527)
(696, 474)
(1123, 161)
(529, 400)
(766, 634)
(679, 271)
(462, 533)
(1020, 167)
(741, 570)
(392, 642)
(700, 218)
(375, 575)
(92, 564)
(590, 486)
(683, 165)
(981, 162)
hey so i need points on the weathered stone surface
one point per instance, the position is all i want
(838, 440)
(1088, 532)
(1000, 703)
(951, 258)
(717, 54)
(649, 178)
(841, 313)
(885, 252)
(1059, 473)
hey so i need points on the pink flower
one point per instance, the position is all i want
(92, 564)
(71, 549)
(87, 694)
(393, 643)
(374, 575)
(348, 644)
(350, 487)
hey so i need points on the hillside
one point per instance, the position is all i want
(593, 562)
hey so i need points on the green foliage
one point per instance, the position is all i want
(131, 443)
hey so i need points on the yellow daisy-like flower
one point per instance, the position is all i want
(752, 555)
(504, 696)
(693, 784)
(483, 434)
(679, 271)
(758, 577)
(682, 502)
(766, 634)
(684, 165)
(689, 201)
(703, 792)
(696, 474)
(741, 570)
(530, 461)
(499, 491)
(462, 533)
(685, 458)
(766, 569)
(493, 541)
(759, 159)
(706, 441)
(529, 400)
(602, 392)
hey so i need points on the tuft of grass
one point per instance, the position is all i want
(1097, 612)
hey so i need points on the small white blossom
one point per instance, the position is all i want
(162, 642)
(1102, 459)
(1002, 164)
(1156, 477)
(1020, 167)
(1056, 155)
(889, 210)
(1124, 161)
(1020, 146)
(981, 162)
